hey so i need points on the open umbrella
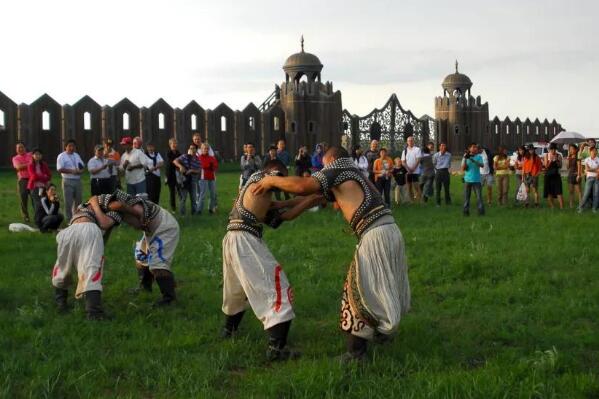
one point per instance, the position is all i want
(568, 138)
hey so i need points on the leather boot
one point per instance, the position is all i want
(166, 283)
(356, 349)
(231, 324)
(60, 297)
(277, 340)
(146, 278)
(93, 305)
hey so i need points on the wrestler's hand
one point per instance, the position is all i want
(262, 186)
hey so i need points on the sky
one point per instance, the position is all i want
(536, 59)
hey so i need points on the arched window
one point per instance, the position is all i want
(252, 123)
(517, 129)
(126, 121)
(223, 124)
(161, 121)
(537, 130)
(276, 123)
(194, 122)
(545, 130)
(87, 121)
(554, 130)
(507, 129)
(2, 120)
(45, 120)
(528, 129)
(496, 129)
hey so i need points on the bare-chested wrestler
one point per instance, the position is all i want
(377, 291)
(251, 274)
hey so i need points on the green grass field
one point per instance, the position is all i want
(503, 306)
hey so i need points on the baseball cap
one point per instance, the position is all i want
(126, 140)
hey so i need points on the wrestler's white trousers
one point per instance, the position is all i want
(252, 274)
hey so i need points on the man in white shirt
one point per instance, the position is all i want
(486, 173)
(410, 158)
(591, 188)
(133, 162)
(71, 167)
(153, 182)
(98, 166)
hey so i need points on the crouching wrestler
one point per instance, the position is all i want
(251, 273)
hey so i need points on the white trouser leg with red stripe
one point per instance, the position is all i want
(252, 275)
(81, 249)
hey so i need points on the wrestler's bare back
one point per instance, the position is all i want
(257, 204)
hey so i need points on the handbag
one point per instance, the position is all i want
(522, 194)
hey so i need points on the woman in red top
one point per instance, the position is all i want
(39, 176)
(531, 169)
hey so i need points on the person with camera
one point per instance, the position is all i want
(553, 178)
(39, 177)
(471, 164)
(70, 166)
(47, 217)
(303, 163)
(187, 178)
(250, 163)
(133, 163)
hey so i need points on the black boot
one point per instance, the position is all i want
(166, 283)
(231, 324)
(356, 349)
(93, 305)
(146, 278)
(277, 340)
(60, 297)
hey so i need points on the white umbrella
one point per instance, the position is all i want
(568, 138)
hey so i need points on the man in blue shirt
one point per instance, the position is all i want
(471, 164)
(283, 156)
(442, 163)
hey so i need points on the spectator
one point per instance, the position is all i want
(410, 158)
(114, 161)
(137, 143)
(360, 160)
(583, 153)
(47, 217)
(21, 163)
(552, 187)
(531, 168)
(303, 163)
(501, 164)
(250, 163)
(399, 173)
(171, 172)
(317, 158)
(39, 177)
(486, 173)
(427, 176)
(71, 167)
(574, 175)
(442, 164)
(431, 147)
(133, 163)
(190, 170)
(153, 180)
(591, 188)
(100, 176)
(371, 155)
(209, 166)
(282, 154)
(517, 163)
(472, 162)
(382, 168)
(270, 155)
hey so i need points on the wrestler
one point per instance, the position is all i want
(251, 274)
(81, 249)
(376, 292)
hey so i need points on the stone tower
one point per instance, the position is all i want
(313, 111)
(461, 118)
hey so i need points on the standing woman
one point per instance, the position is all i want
(553, 178)
(502, 173)
(427, 178)
(303, 163)
(382, 169)
(21, 163)
(39, 177)
(518, 163)
(531, 169)
(171, 173)
(317, 158)
(153, 173)
(360, 160)
(573, 174)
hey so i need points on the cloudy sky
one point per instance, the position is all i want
(526, 58)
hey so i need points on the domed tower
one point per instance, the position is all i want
(461, 118)
(313, 112)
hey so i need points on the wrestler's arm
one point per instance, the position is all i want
(287, 203)
(133, 221)
(306, 203)
(291, 184)
(104, 221)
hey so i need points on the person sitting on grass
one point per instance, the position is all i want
(47, 217)
(251, 274)
(377, 291)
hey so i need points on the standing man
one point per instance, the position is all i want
(171, 172)
(153, 173)
(137, 143)
(70, 166)
(250, 163)
(208, 166)
(410, 158)
(442, 163)
(283, 156)
(472, 162)
(21, 162)
(591, 188)
(377, 291)
(133, 163)
(115, 159)
(372, 154)
(189, 170)
(100, 177)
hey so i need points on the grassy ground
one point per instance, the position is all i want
(503, 306)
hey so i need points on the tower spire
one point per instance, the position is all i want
(302, 42)
(456, 65)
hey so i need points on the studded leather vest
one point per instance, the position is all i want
(150, 209)
(85, 210)
(372, 207)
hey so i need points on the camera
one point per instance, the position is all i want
(467, 155)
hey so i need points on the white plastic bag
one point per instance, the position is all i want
(20, 228)
(522, 195)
